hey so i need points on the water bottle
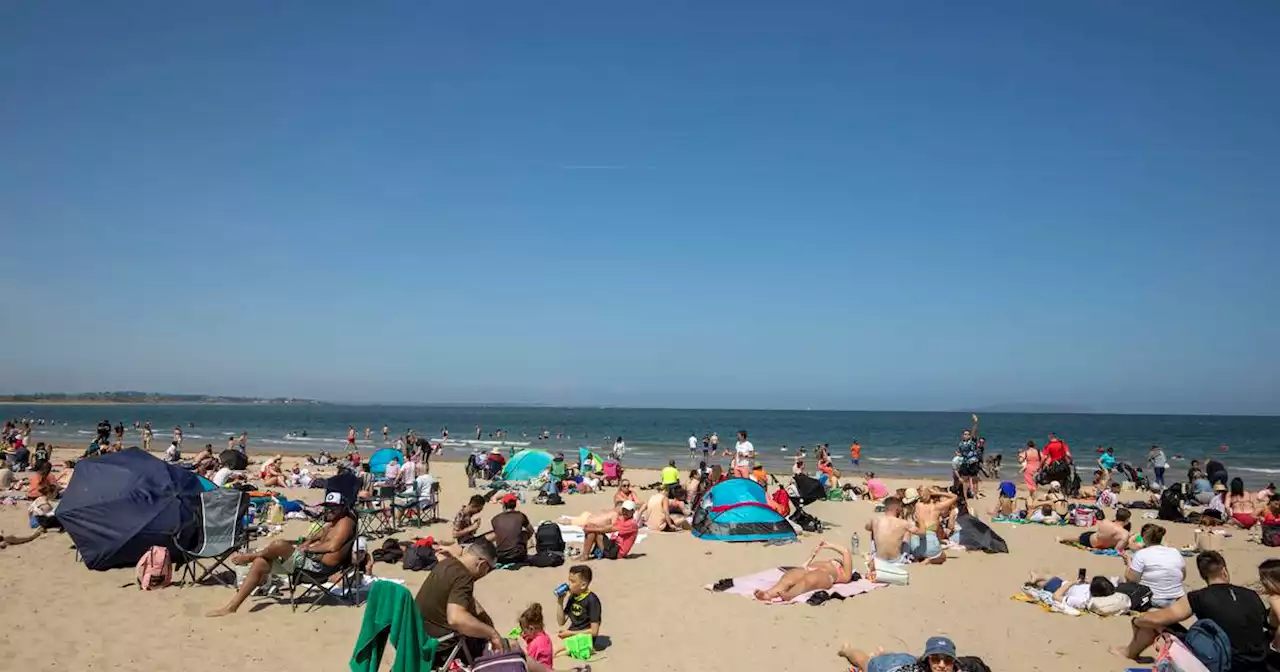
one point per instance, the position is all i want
(856, 543)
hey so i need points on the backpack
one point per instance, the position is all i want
(1139, 595)
(1174, 656)
(806, 521)
(1210, 644)
(547, 538)
(500, 662)
(154, 569)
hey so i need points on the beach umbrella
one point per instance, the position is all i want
(119, 505)
(526, 465)
(589, 462)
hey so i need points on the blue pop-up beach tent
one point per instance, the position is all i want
(526, 465)
(738, 510)
(118, 505)
(382, 457)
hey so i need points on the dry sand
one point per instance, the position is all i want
(61, 616)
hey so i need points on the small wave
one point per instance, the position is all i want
(884, 459)
(1258, 470)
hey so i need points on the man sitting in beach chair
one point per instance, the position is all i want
(812, 576)
(323, 551)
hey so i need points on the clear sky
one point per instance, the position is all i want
(860, 205)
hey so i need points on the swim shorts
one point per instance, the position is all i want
(1086, 539)
(925, 546)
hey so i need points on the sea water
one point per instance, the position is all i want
(893, 443)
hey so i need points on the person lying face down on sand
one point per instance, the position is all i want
(323, 552)
(932, 507)
(814, 575)
(889, 533)
(1110, 534)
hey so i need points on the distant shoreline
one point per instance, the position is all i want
(99, 402)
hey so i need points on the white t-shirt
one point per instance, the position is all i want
(424, 483)
(745, 451)
(693, 442)
(220, 479)
(409, 472)
(1077, 596)
(1161, 568)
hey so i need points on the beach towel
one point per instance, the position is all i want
(573, 534)
(1024, 521)
(392, 614)
(1186, 552)
(746, 586)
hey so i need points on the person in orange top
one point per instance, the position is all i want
(759, 475)
(855, 452)
(40, 477)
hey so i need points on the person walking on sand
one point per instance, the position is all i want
(146, 436)
(1029, 458)
(970, 462)
(177, 435)
(715, 444)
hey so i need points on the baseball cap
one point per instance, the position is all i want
(628, 505)
(333, 498)
(509, 499)
(939, 646)
(911, 496)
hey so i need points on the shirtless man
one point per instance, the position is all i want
(1110, 534)
(813, 576)
(325, 552)
(658, 516)
(890, 531)
(934, 505)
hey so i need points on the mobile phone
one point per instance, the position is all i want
(1082, 575)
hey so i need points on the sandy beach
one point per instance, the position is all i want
(657, 616)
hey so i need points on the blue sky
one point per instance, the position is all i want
(830, 205)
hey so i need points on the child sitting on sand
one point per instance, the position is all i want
(533, 636)
(580, 609)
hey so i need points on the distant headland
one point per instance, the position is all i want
(131, 397)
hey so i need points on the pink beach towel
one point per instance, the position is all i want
(746, 586)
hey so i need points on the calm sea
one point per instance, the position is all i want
(894, 443)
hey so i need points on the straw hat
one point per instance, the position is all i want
(911, 496)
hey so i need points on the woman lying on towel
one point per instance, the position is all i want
(813, 576)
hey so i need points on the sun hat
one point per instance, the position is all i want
(939, 646)
(496, 451)
(911, 496)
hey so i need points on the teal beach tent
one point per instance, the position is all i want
(526, 465)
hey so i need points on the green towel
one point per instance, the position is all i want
(390, 612)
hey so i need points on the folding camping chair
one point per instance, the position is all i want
(350, 580)
(221, 531)
(376, 515)
(612, 473)
(421, 508)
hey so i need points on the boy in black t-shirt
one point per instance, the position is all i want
(579, 607)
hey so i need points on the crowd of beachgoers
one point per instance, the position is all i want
(1121, 510)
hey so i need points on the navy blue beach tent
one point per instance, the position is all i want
(118, 505)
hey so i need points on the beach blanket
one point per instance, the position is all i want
(1186, 552)
(746, 586)
(1024, 521)
(572, 534)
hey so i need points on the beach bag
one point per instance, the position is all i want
(1084, 517)
(1210, 645)
(545, 559)
(892, 574)
(1270, 535)
(500, 662)
(154, 569)
(1174, 656)
(806, 521)
(1139, 595)
(419, 558)
(547, 538)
